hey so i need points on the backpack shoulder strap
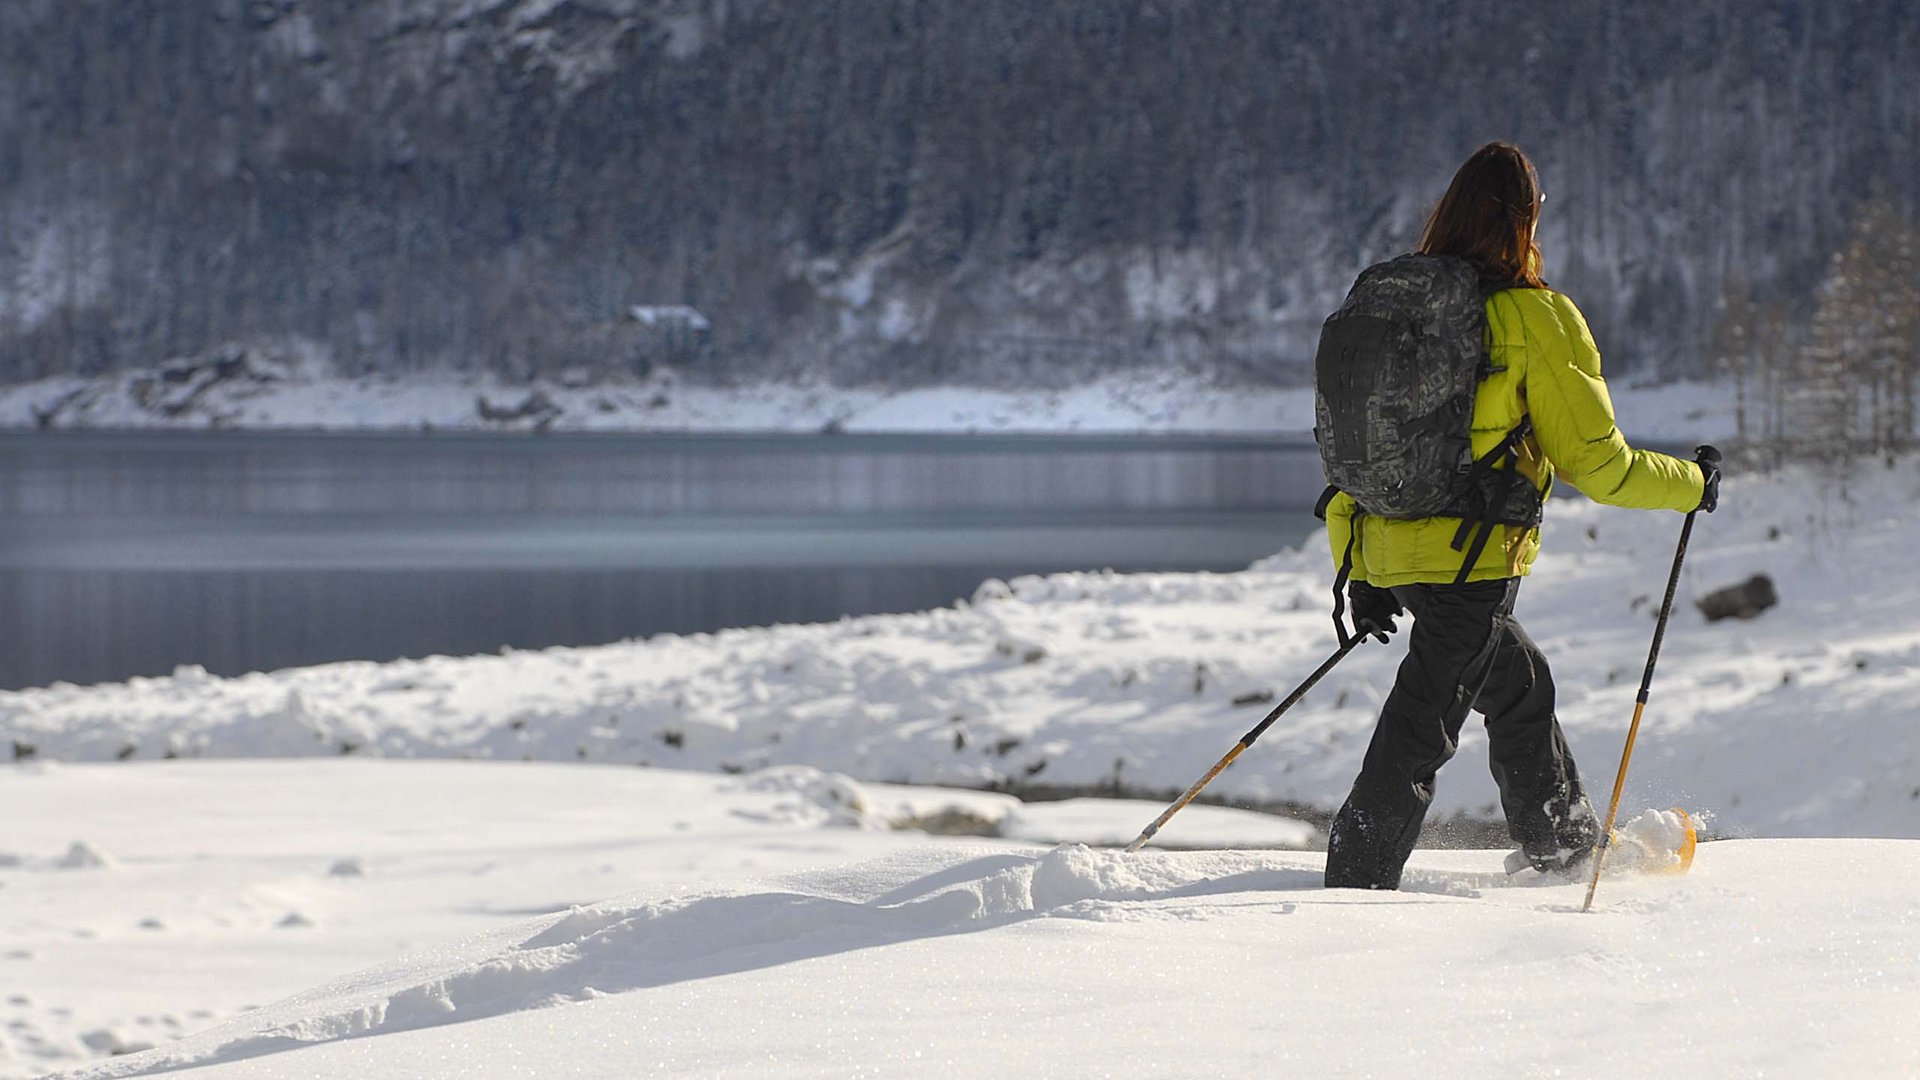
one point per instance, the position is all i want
(1340, 591)
(1490, 504)
(1325, 500)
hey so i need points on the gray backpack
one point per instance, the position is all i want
(1394, 381)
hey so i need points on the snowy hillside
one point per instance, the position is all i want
(898, 193)
(1798, 723)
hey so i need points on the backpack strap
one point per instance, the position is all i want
(1340, 590)
(1346, 563)
(1491, 502)
(1325, 500)
(1345, 573)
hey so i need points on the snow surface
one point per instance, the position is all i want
(141, 902)
(1798, 723)
(540, 920)
(290, 392)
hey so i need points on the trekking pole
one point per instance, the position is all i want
(1705, 455)
(1247, 739)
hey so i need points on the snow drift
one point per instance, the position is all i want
(1710, 960)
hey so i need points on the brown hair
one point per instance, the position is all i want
(1488, 216)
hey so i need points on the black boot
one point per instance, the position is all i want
(1374, 833)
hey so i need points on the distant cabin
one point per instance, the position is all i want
(673, 334)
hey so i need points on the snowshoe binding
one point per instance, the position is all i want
(1656, 842)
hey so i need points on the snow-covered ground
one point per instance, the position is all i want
(290, 393)
(384, 918)
(139, 903)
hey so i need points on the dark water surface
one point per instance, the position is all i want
(129, 554)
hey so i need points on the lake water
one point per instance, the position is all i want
(129, 554)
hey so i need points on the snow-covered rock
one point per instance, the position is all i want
(807, 796)
(84, 856)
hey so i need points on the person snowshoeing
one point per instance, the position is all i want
(1539, 409)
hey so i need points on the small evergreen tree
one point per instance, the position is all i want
(1735, 350)
(1822, 397)
(1851, 387)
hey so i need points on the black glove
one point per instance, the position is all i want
(1373, 605)
(1709, 461)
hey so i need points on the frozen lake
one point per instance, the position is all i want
(129, 554)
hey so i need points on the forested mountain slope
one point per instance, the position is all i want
(900, 191)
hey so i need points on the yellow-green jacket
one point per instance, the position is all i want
(1545, 364)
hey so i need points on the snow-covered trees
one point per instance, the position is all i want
(1845, 380)
(1854, 385)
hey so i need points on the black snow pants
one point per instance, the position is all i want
(1464, 651)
